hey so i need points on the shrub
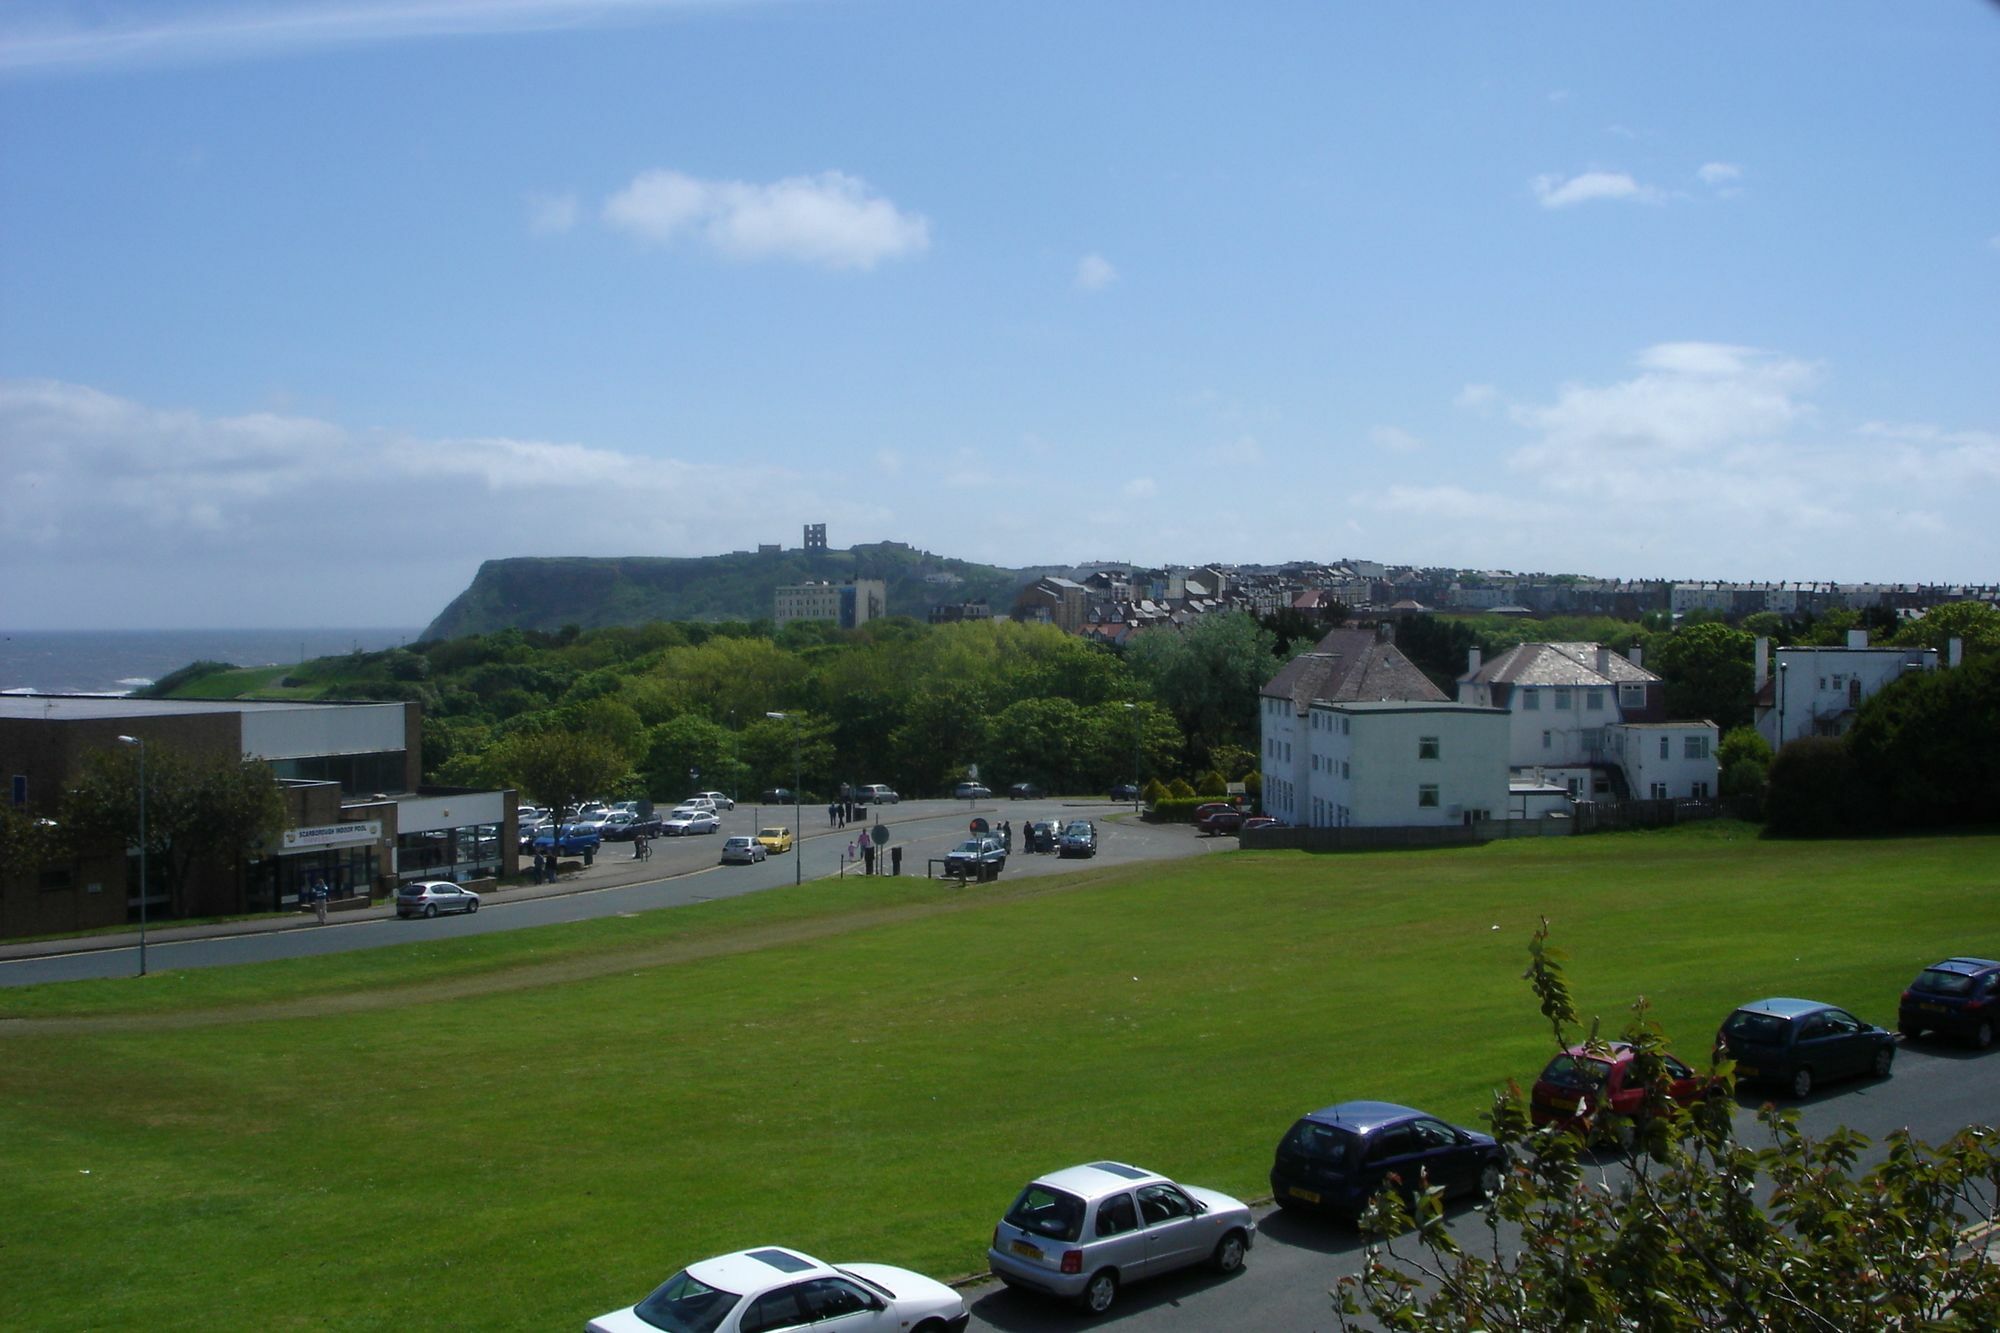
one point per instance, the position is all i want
(1175, 809)
(1153, 792)
(1212, 784)
(1814, 791)
(1179, 789)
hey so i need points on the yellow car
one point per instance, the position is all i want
(775, 839)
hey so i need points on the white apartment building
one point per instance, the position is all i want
(1816, 691)
(1404, 765)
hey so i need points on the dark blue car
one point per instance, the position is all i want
(1338, 1158)
(1959, 997)
(1800, 1043)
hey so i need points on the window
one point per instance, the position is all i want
(1631, 694)
(1594, 700)
(1562, 699)
(1315, 763)
(1163, 1203)
(1531, 701)
(1343, 726)
(1343, 768)
(1116, 1216)
(1548, 740)
(1427, 747)
(1659, 791)
(1427, 796)
(1699, 791)
(1664, 744)
(832, 1298)
(1288, 752)
(1694, 747)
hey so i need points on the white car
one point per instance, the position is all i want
(772, 1288)
(742, 850)
(715, 798)
(689, 819)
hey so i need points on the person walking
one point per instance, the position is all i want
(319, 896)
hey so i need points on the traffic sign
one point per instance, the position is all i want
(979, 826)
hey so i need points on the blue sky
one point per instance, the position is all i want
(307, 308)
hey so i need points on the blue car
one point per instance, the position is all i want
(576, 840)
(1338, 1158)
(1960, 996)
(1798, 1044)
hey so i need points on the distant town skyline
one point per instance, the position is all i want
(308, 308)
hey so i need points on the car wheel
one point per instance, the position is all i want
(430, 909)
(1802, 1082)
(1229, 1253)
(472, 907)
(1100, 1293)
(1884, 1059)
(1982, 1036)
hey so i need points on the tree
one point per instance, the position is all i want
(1812, 789)
(1927, 747)
(1975, 624)
(1681, 1241)
(559, 769)
(26, 843)
(1710, 672)
(200, 807)
(683, 745)
(1208, 676)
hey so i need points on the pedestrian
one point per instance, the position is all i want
(640, 849)
(319, 896)
(832, 815)
(851, 852)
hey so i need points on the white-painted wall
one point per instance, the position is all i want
(1368, 766)
(298, 733)
(1667, 760)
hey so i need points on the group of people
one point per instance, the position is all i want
(838, 813)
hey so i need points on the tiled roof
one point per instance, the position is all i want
(1350, 665)
(1558, 664)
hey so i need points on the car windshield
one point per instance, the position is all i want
(1321, 1143)
(684, 1305)
(1746, 1025)
(1935, 981)
(970, 847)
(1047, 1212)
(1571, 1071)
(771, 833)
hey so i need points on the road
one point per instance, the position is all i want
(681, 871)
(1935, 1091)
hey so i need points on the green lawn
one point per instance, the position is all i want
(522, 1130)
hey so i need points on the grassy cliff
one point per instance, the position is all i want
(547, 593)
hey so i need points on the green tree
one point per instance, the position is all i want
(27, 843)
(1710, 672)
(687, 744)
(200, 808)
(1927, 747)
(943, 732)
(559, 768)
(1685, 1240)
(1813, 789)
(1975, 624)
(1040, 740)
(1208, 676)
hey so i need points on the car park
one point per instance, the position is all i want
(690, 820)
(1024, 791)
(970, 791)
(1079, 838)
(720, 800)
(1800, 1044)
(1582, 1083)
(1086, 1232)
(981, 857)
(875, 793)
(1339, 1157)
(1959, 997)
(775, 839)
(763, 1290)
(742, 850)
(433, 897)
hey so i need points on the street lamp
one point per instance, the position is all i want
(798, 829)
(1133, 709)
(134, 740)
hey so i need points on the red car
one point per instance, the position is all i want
(1578, 1083)
(1216, 817)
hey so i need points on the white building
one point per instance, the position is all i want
(1816, 691)
(847, 605)
(1665, 760)
(1404, 765)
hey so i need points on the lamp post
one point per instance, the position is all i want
(1133, 709)
(134, 740)
(1783, 667)
(798, 829)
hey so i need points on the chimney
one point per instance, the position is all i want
(1472, 661)
(1954, 651)
(1637, 657)
(1385, 631)
(1603, 659)
(1857, 638)
(1763, 672)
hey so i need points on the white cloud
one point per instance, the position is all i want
(831, 219)
(1394, 439)
(108, 36)
(1719, 173)
(551, 214)
(1560, 192)
(1476, 395)
(1094, 273)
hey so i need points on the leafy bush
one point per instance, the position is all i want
(1212, 785)
(1813, 789)
(1179, 789)
(1153, 792)
(1175, 809)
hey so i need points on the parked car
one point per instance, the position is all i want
(1040, 835)
(752, 1291)
(1959, 997)
(596, 822)
(1339, 1157)
(775, 839)
(429, 897)
(1800, 1043)
(1084, 1232)
(742, 850)
(1218, 820)
(970, 791)
(1579, 1084)
(719, 800)
(568, 839)
(690, 819)
(875, 793)
(1024, 791)
(776, 796)
(1124, 791)
(624, 826)
(976, 856)
(1079, 838)
(1257, 821)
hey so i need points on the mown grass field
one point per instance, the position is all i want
(519, 1131)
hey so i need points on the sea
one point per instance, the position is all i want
(119, 661)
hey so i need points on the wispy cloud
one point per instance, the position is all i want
(831, 219)
(1591, 186)
(551, 214)
(53, 35)
(1394, 439)
(1476, 395)
(1094, 273)
(1719, 173)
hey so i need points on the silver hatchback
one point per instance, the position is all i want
(1085, 1232)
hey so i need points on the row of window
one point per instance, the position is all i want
(1631, 695)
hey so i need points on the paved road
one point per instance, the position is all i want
(1936, 1090)
(681, 871)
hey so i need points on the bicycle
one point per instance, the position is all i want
(642, 850)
